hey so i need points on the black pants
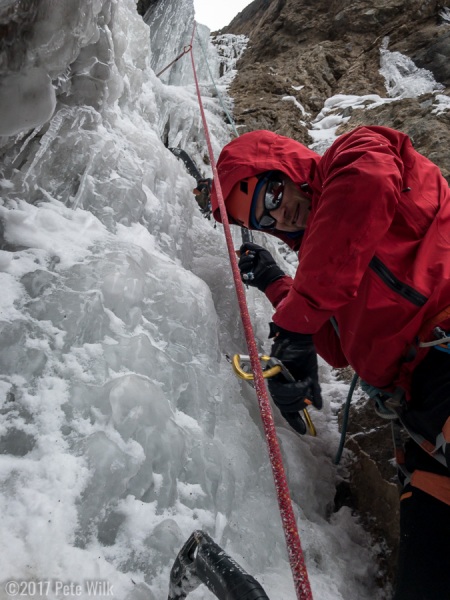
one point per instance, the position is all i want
(423, 571)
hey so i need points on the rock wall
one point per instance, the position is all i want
(313, 51)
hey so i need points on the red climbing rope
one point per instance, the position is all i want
(296, 557)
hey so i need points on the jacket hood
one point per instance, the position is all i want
(259, 151)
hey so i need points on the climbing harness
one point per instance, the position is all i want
(440, 343)
(296, 557)
(393, 408)
(272, 366)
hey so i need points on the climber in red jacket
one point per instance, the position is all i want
(371, 223)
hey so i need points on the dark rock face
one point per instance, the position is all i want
(142, 6)
(373, 482)
(434, 55)
(311, 51)
(16, 20)
(327, 48)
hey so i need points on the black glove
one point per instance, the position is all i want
(295, 421)
(204, 184)
(203, 193)
(297, 353)
(257, 266)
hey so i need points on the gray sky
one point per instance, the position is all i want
(218, 13)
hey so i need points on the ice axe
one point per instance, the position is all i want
(201, 560)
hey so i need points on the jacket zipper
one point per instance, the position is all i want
(395, 284)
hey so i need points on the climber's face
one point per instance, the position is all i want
(281, 205)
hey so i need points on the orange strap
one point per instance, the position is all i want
(436, 485)
(439, 318)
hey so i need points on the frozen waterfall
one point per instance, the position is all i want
(122, 426)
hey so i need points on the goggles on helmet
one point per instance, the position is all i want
(242, 202)
(272, 199)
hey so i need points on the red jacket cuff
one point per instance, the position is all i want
(295, 313)
(278, 289)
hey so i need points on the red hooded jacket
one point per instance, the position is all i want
(375, 254)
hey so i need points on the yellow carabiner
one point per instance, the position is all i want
(236, 363)
(237, 367)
